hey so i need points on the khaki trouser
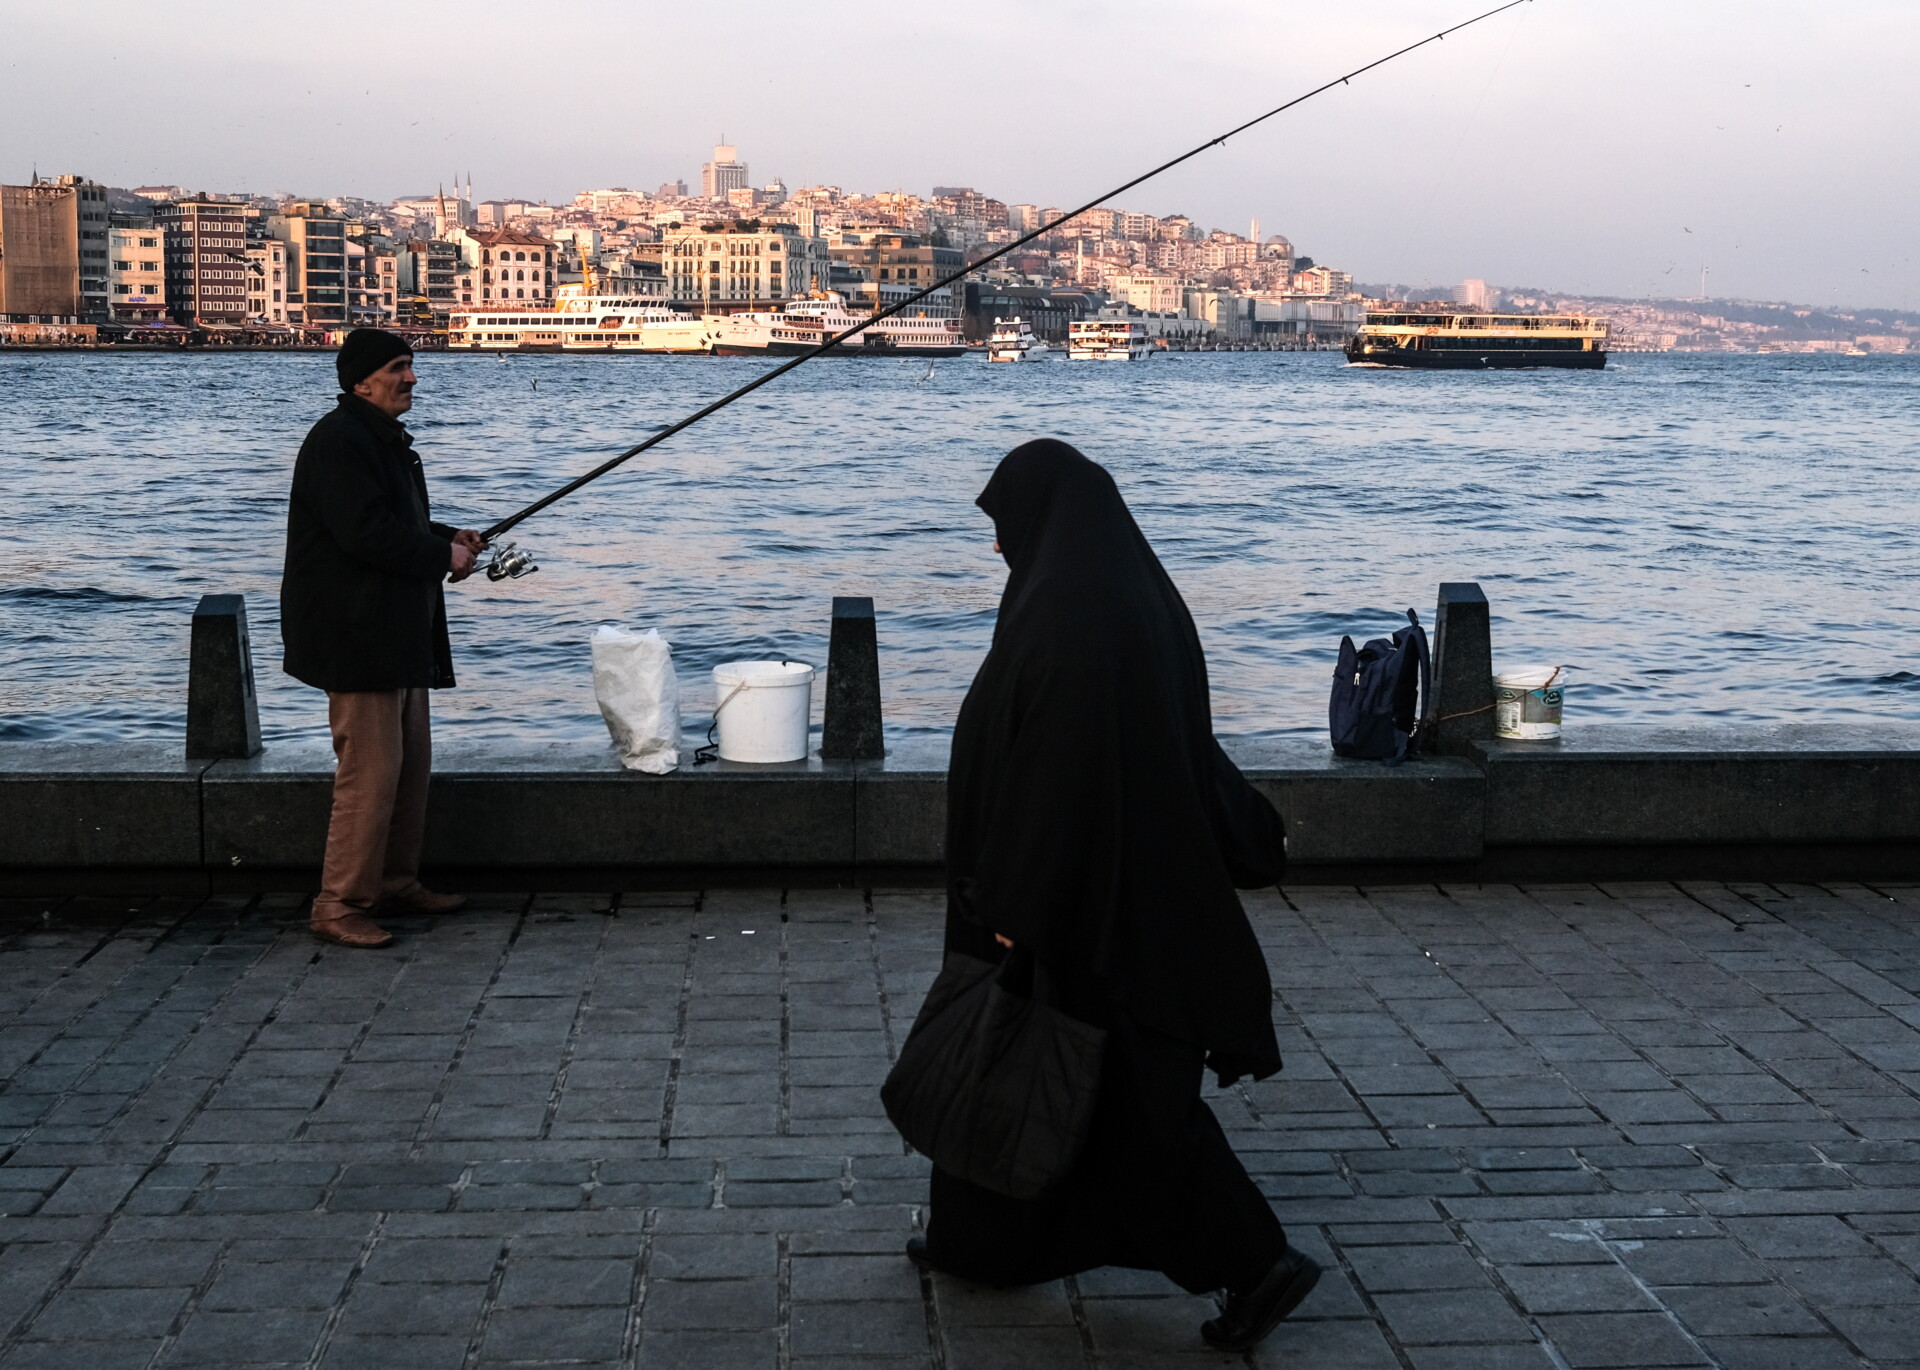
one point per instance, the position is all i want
(384, 745)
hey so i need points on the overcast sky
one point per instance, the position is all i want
(1607, 146)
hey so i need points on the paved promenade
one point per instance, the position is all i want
(1637, 1125)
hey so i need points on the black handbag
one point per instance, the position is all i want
(994, 1085)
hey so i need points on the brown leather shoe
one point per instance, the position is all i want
(420, 899)
(351, 930)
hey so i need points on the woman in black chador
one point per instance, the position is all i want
(1095, 824)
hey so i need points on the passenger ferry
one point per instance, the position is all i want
(1108, 340)
(806, 323)
(1014, 340)
(1479, 341)
(580, 322)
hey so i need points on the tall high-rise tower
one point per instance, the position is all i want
(725, 172)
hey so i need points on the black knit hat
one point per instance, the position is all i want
(365, 351)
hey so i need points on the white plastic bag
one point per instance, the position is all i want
(639, 696)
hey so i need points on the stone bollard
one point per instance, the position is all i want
(1462, 669)
(851, 731)
(223, 717)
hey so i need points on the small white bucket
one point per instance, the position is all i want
(1526, 702)
(761, 710)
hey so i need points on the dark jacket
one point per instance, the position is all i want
(360, 602)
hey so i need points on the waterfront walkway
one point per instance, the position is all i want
(1636, 1125)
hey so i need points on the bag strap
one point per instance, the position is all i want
(1408, 747)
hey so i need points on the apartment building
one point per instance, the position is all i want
(742, 265)
(136, 271)
(267, 281)
(204, 250)
(509, 265)
(1149, 291)
(428, 272)
(316, 265)
(876, 267)
(91, 211)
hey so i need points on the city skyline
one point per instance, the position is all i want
(1614, 152)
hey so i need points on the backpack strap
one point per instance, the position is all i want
(1409, 746)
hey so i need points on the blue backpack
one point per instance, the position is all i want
(1378, 693)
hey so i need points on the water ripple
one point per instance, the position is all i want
(1726, 538)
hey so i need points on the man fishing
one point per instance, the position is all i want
(364, 618)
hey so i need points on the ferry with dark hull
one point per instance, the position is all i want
(1479, 342)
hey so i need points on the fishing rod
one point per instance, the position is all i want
(508, 562)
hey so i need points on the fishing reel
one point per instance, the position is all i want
(510, 563)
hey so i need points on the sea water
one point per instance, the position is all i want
(1699, 537)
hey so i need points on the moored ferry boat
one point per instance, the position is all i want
(580, 322)
(806, 323)
(1108, 340)
(1476, 342)
(1014, 340)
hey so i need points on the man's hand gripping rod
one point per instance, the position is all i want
(511, 563)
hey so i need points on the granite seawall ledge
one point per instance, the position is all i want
(1606, 802)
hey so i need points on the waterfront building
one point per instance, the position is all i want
(266, 281)
(724, 173)
(205, 244)
(511, 265)
(136, 271)
(316, 240)
(1323, 281)
(372, 268)
(427, 272)
(1151, 292)
(91, 211)
(876, 267)
(39, 254)
(747, 264)
(1049, 312)
(1472, 294)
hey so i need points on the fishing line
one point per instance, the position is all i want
(508, 562)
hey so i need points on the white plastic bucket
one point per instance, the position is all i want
(761, 709)
(1526, 702)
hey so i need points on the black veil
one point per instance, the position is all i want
(1092, 818)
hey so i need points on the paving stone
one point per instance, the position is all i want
(77, 1314)
(347, 1351)
(550, 1283)
(1741, 1311)
(277, 1285)
(1620, 1339)
(1786, 1353)
(709, 1350)
(1832, 1282)
(405, 1311)
(1394, 1269)
(1452, 1316)
(1576, 1289)
(1703, 1261)
(1502, 1357)
(134, 1264)
(711, 1303)
(216, 1337)
(555, 1334)
(80, 1355)
(844, 1330)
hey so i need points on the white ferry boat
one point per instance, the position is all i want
(806, 323)
(580, 322)
(1108, 340)
(1014, 340)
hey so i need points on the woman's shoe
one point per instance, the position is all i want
(1247, 1318)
